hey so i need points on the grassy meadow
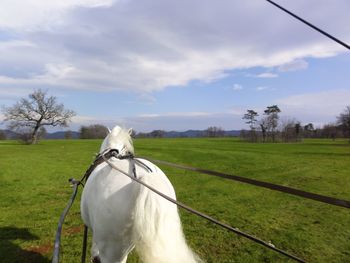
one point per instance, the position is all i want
(35, 190)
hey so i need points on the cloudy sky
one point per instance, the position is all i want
(176, 65)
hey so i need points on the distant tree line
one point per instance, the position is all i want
(212, 131)
(95, 131)
(3, 135)
(270, 128)
(153, 134)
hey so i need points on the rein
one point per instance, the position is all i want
(109, 153)
(75, 183)
(105, 157)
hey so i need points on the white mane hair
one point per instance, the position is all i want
(119, 139)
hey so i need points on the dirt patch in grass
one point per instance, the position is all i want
(42, 249)
(73, 230)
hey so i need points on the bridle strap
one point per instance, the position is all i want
(108, 154)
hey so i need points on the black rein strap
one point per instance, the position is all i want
(99, 159)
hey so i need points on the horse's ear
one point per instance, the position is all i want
(109, 130)
(130, 131)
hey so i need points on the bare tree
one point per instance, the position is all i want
(329, 131)
(214, 131)
(42, 133)
(344, 121)
(290, 130)
(36, 112)
(263, 126)
(309, 130)
(250, 116)
(68, 135)
(157, 134)
(298, 130)
(272, 119)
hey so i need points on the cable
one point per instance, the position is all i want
(209, 218)
(281, 188)
(56, 252)
(311, 25)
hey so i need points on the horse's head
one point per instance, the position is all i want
(120, 140)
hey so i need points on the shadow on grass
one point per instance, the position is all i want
(11, 252)
(335, 144)
(322, 154)
(8, 143)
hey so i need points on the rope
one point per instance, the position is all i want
(310, 25)
(85, 237)
(276, 187)
(209, 218)
(56, 252)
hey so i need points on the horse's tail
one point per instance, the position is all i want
(157, 232)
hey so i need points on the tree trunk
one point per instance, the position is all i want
(34, 138)
(263, 130)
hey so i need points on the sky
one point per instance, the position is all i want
(176, 65)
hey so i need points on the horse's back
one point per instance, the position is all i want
(155, 177)
(110, 198)
(107, 194)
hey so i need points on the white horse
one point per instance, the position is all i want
(123, 214)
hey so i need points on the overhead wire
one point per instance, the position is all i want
(310, 25)
(276, 187)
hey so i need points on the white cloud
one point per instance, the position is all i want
(177, 114)
(179, 121)
(35, 14)
(149, 115)
(236, 111)
(12, 93)
(297, 64)
(267, 75)
(84, 120)
(329, 101)
(261, 88)
(237, 87)
(145, 98)
(148, 45)
(320, 107)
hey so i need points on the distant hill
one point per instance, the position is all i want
(167, 134)
(10, 134)
(54, 135)
(234, 133)
(195, 133)
(189, 133)
(61, 134)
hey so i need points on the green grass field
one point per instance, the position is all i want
(35, 189)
